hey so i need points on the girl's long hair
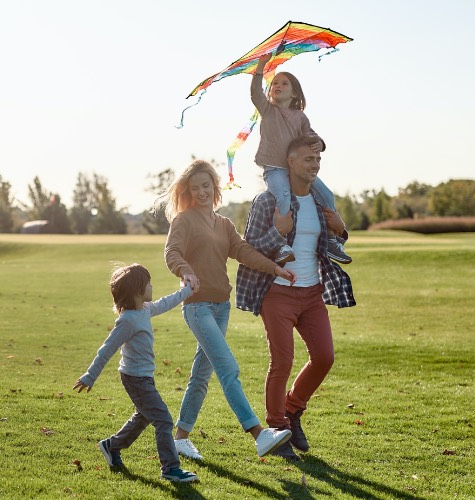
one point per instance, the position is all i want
(177, 198)
(298, 102)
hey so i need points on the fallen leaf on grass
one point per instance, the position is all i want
(263, 460)
(78, 465)
(38, 361)
(60, 395)
(166, 362)
(203, 433)
(103, 398)
(4, 419)
(303, 480)
(448, 452)
(351, 405)
(221, 440)
(178, 370)
(415, 476)
(359, 422)
(11, 356)
(178, 388)
(46, 431)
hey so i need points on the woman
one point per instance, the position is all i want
(198, 245)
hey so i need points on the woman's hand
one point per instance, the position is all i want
(285, 274)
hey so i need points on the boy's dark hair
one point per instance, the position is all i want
(303, 140)
(126, 282)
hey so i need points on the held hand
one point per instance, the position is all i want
(79, 385)
(285, 274)
(193, 281)
(334, 221)
(283, 223)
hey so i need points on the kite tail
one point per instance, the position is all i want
(328, 53)
(243, 135)
(238, 142)
(188, 107)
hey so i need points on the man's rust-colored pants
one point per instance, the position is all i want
(283, 309)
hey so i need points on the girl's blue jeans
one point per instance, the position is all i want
(208, 321)
(277, 182)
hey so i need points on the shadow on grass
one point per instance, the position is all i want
(347, 483)
(311, 467)
(243, 481)
(175, 490)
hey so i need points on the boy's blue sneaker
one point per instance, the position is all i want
(179, 476)
(112, 457)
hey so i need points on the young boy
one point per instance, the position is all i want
(132, 292)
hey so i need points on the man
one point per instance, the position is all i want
(319, 281)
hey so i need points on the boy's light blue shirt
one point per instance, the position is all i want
(133, 332)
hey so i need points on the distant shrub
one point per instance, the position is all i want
(429, 225)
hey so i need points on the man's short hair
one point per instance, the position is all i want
(303, 140)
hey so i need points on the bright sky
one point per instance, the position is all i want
(99, 85)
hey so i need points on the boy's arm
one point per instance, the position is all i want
(121, 332)
(170, 301)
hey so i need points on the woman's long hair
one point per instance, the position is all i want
(177, 198)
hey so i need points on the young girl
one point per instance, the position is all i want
(132, 292)
(283, 119)
(199, 243)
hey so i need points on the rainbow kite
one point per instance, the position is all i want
(292, 39)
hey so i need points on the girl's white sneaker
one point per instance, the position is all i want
(270, 439)
(186, 448)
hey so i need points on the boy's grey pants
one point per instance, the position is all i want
(149, 409)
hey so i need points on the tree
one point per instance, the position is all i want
(350, 210)
(57, 215)
(455, 197)
(47, 206)
(94, 208)
(412, 200)
(156, 222)
(106, 218)
(381, 207)
(6, 202)
(81, 211)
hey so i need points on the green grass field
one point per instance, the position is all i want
(394, 418)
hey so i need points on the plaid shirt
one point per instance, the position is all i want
(260, 232)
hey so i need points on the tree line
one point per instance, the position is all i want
(94, 209)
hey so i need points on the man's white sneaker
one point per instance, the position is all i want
(270, 439)
(186, 448)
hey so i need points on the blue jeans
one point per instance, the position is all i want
(149, 409)
(277, 182)
(208, 322)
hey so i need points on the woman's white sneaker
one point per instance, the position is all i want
(270, 439)
(186, 448)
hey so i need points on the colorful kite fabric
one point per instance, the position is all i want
(292, 39)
